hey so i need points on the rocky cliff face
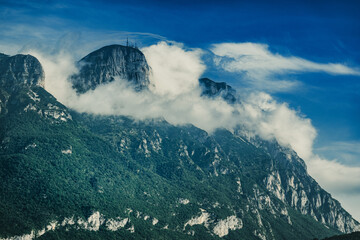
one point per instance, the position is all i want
(109, 63)
(214, 89)
(20, 71)
(289, 181)
(22, 82)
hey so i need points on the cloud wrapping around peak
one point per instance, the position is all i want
(171, 66)
(175, 95)
(262, 68)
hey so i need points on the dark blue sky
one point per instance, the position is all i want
(319, 31)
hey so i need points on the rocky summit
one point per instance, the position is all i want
(20, 71)
(110, 63)
(213, 89)
(67, 175)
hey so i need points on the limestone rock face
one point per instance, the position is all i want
(110, 63)
(22, 82)
(289, 181)
(20, 71)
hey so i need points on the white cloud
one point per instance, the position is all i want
(174, 70)
(335, 176)
(172, 65)
(57, 68)
(260, 66)
(273, 120)
(257, 57)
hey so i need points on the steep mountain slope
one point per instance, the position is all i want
(274, 184)
(288, 179)
(290, 182)
(66, 175)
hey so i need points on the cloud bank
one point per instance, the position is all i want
(175, 95)
(262, 68)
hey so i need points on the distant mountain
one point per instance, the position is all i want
(108, 63)
(66, 175)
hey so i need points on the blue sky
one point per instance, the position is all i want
(321, 32)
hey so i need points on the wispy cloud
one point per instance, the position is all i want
(18, 38)
(263, 68)
(345, 151)
(335, 176)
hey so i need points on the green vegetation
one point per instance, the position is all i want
(350, 236)
(51, 169)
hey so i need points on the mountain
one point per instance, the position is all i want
(108, 63)
(67, 175)
(20, 70)
(213, 89)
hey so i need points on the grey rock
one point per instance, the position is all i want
(20, 71)
(300, 190)
(213, 89)
(108, 63)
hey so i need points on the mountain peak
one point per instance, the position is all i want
(107, 63)
(20, 71)
(214, 89)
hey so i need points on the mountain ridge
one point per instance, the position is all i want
(149, 177)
